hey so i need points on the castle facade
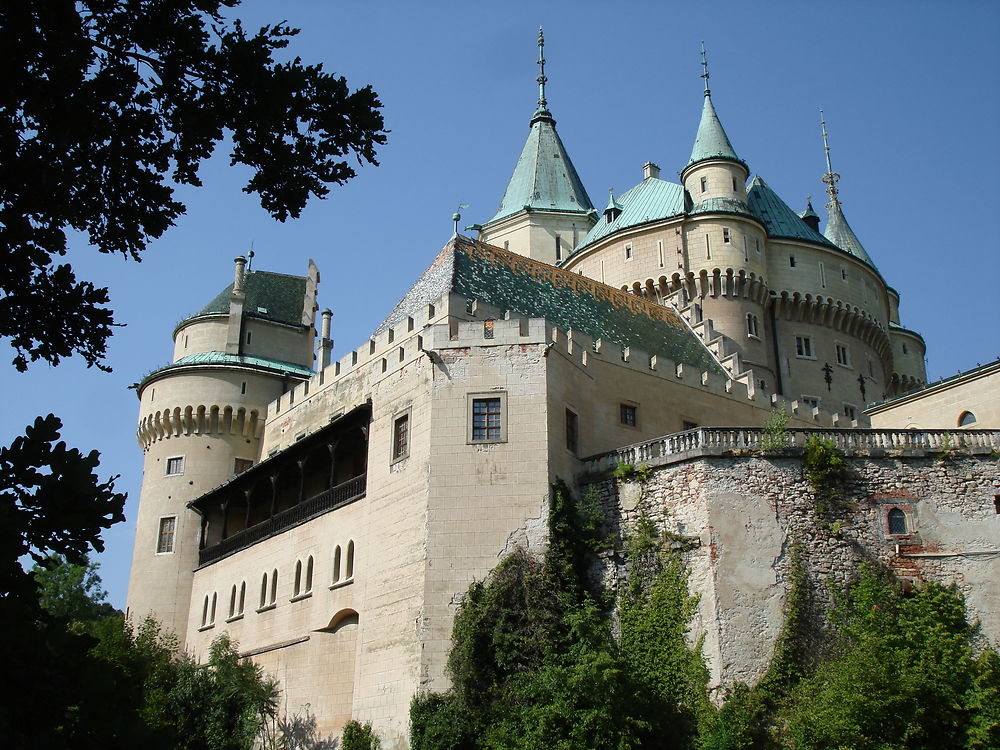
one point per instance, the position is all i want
(329, 515)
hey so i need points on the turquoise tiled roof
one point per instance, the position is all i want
(720, 205)
(544, 177)
(711, 142)
(839, 232)
(777, 216)
(270, 296)
(651, 200)
(236, 360)
(529, 288)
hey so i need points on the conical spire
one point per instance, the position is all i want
(711, 141)
(544, 178)
(837, 230)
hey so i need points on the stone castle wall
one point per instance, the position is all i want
(743, 513)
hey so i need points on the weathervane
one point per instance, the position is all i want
(457, 216)
(542, 104)
(704, 66)
(830, 178)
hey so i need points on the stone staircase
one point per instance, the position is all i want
(722, 349)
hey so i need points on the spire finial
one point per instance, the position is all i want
(542, 104)
(830, 178)
(704, 67)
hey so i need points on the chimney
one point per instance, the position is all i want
(241, 265)
(650, 170)
(325, 342)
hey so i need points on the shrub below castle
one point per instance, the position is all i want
(535, 665)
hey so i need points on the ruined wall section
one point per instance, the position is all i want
(742, 514)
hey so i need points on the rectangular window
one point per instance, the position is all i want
(175, 466)
(727, 236)
(165, 539)
(704, 184)
(401, 437)
(572, 431)
(843, 355)
(850, 412)
(811, 401)
(734, 184)
(791, 261)
(628, 251)
(628, 414)
(486, 419)
(843, 273)
(756, 243)
(803, 346)
(558, 247)
(241, 464)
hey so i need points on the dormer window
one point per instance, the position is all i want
(704, 184)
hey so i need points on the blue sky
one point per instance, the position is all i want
(910, 91)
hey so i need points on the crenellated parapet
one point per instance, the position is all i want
(201, 419)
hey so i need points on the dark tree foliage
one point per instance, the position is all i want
(107, 104)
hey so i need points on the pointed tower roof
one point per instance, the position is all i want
(544, 178)
(837, 230)
(809, 213)
(711, 142)
(613, 204)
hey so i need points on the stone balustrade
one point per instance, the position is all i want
(721, 440)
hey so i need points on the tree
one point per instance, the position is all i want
(72, 592)
(107, 104)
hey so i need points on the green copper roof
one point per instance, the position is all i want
(269, 296)
(809, 213)
(651, 200)
(711, 141)
(839, 232)
(566, 299)
(613, 205)
(777, 216)
(234, 360)
(720, 205)
(544, 178)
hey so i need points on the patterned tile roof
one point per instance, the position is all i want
(839, 232)
(269, 296)
(571, 301)
(651, 200)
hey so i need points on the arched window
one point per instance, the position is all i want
(309, 574)
(243, 597)
(211, 616)
(263, 590)
(966, 419)
(204, 612)
(298, 578)
(232, 601)
(274, 585)
(752, 325)
(336, 564)
(897, 521)
(349, 565)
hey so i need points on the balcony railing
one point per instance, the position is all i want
(713, 440)
(343, 494)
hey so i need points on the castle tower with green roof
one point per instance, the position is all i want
(545, 211)
(201, 420)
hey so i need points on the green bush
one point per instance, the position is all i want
(358, 736)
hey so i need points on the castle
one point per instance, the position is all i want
(329, 515)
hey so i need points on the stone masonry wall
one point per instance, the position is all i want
(744, 512)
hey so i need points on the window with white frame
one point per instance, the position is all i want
(628, 251)
(401, 436)
(811, 401)
(175, 466)
(850, 412)
(166, 535)
(843, 356)
(727, 236)
(804, 347)
(487, 422)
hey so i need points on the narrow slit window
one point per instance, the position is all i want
(336, 564)
(349, 564)
(572, 431)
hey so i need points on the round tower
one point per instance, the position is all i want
(726, 265)
(201, 419)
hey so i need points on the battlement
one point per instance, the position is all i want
(454, 321)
